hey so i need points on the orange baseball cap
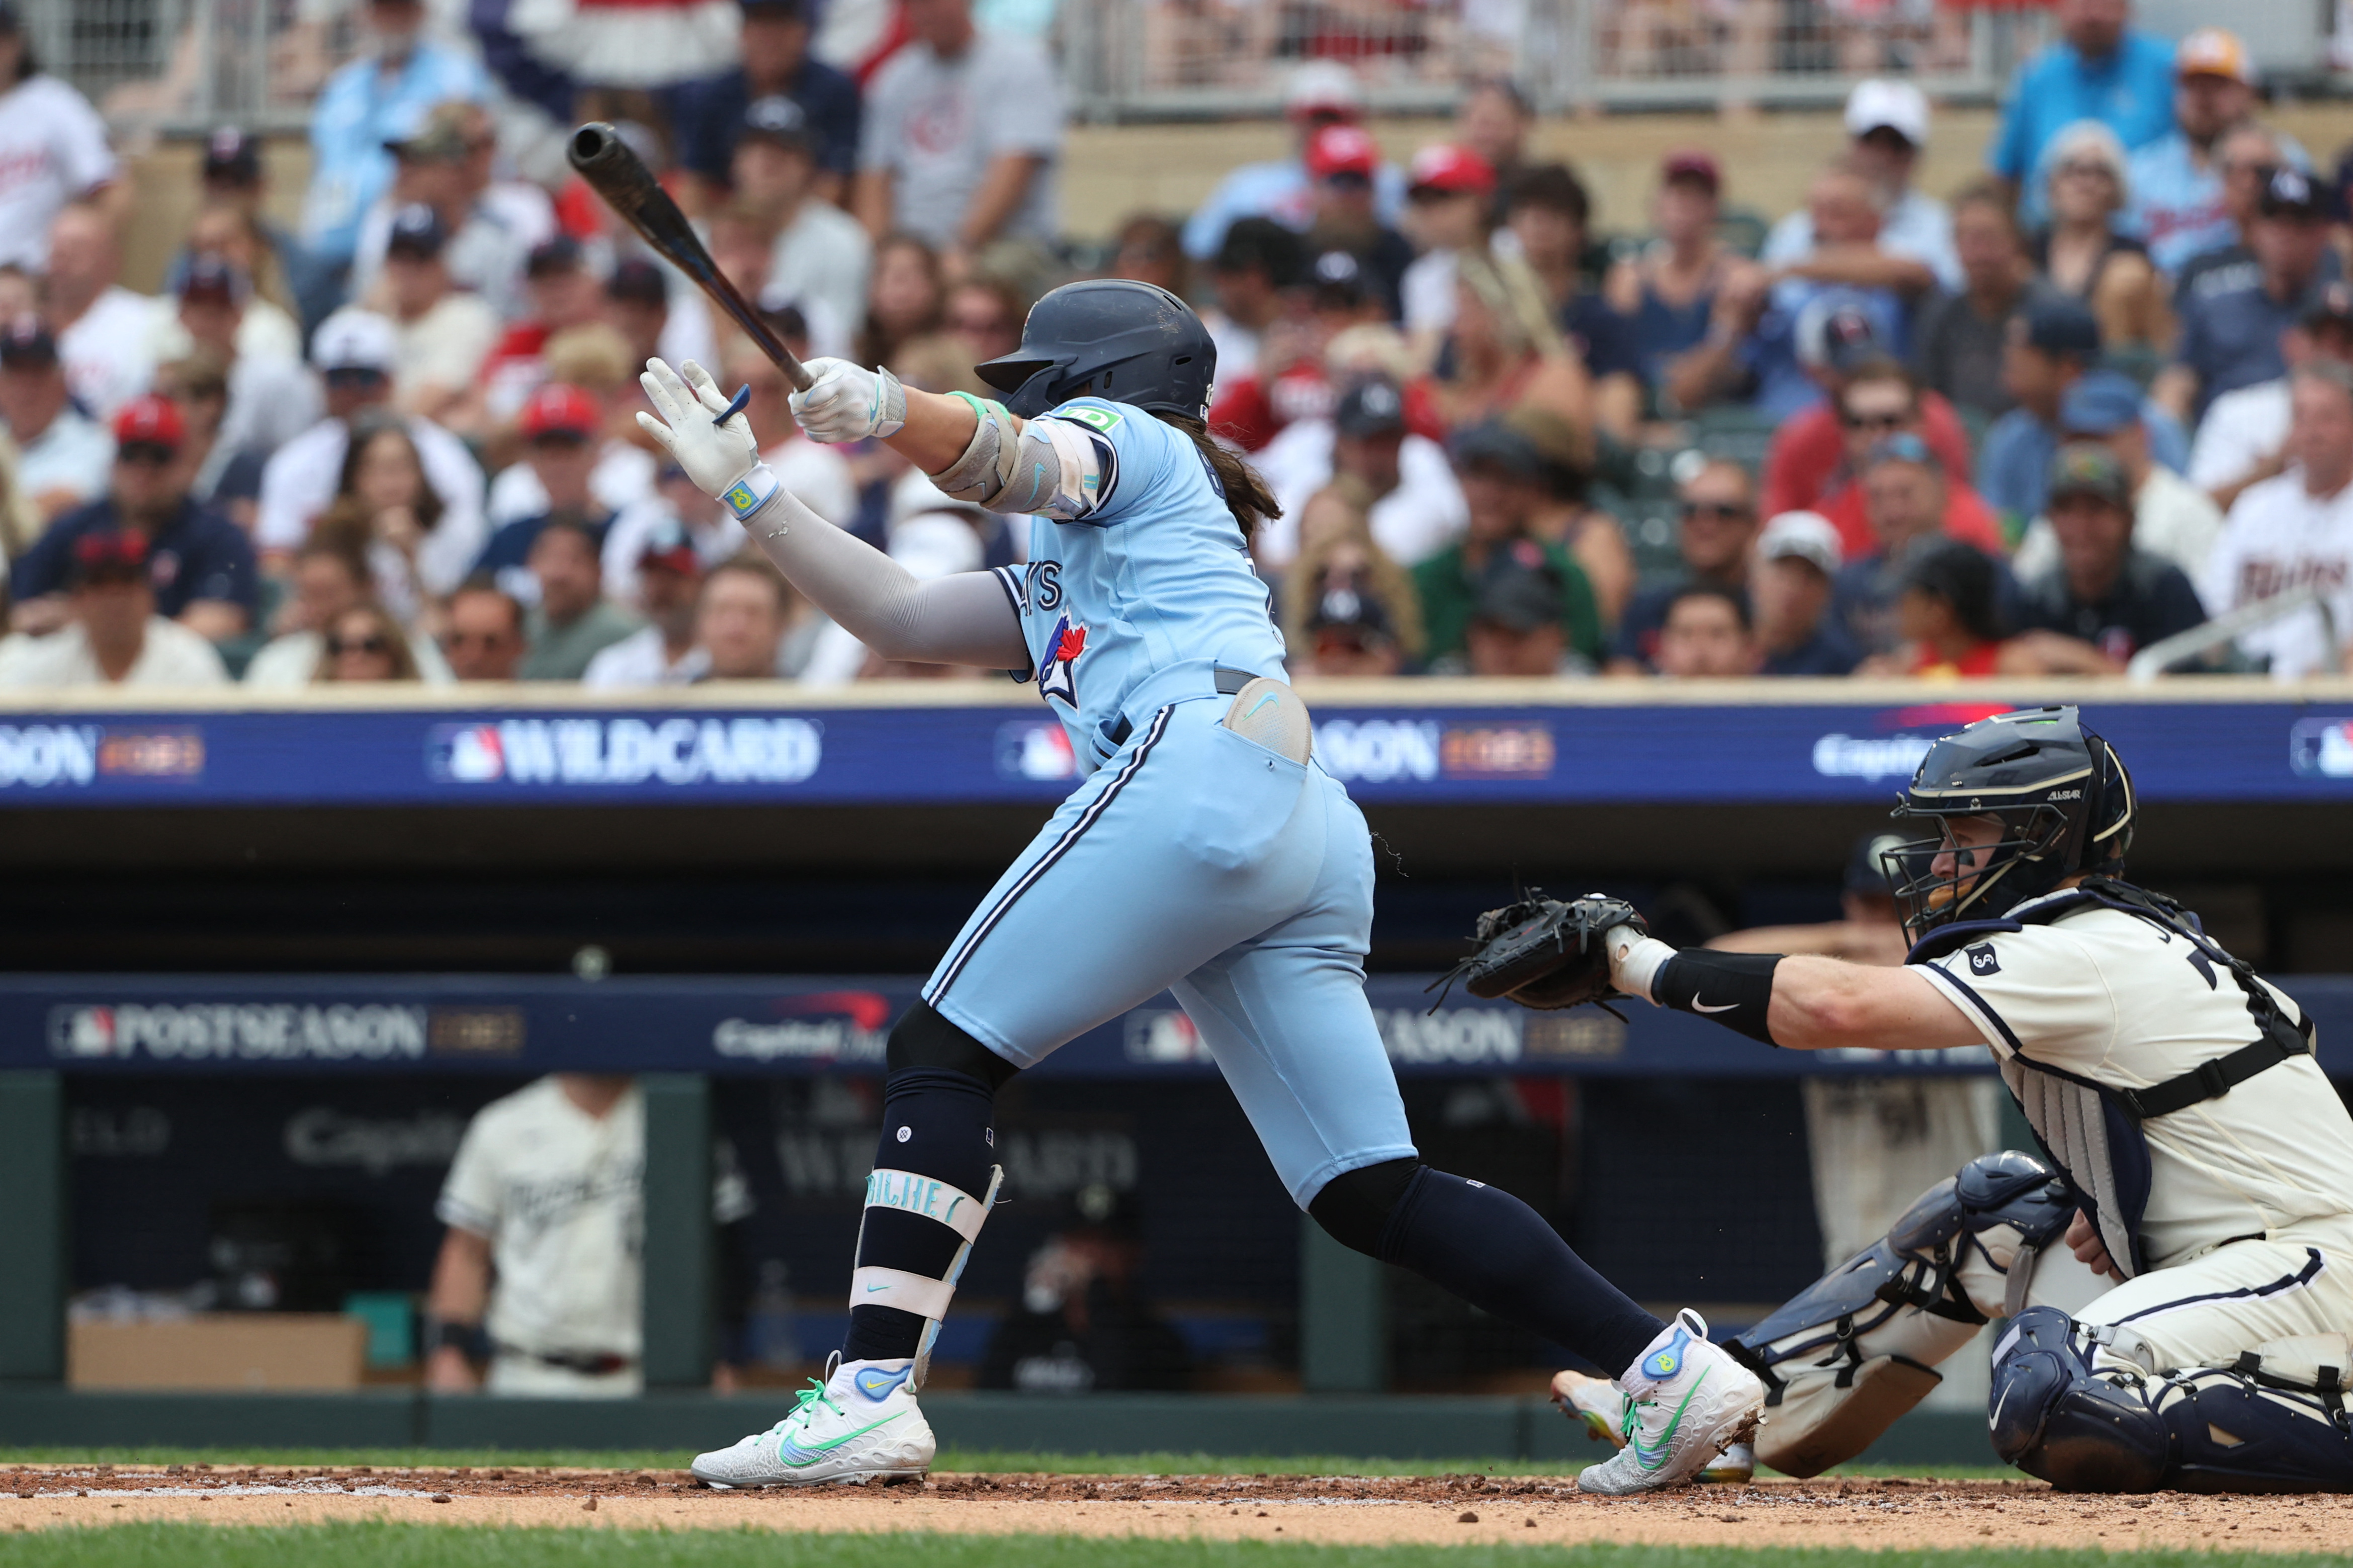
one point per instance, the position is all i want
(2212, 51)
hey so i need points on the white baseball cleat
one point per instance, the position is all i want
(1685, 1401)
(1595, 1403)
(857, 1424)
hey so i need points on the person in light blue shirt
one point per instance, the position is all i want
(376, 100)
(2178, 206)
(1322, 94)
(2100, 70)
(2052, 346)
(1887, 122)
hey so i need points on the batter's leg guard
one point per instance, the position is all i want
(2054, 1417)
(1843, 1360)
(2273, 1421)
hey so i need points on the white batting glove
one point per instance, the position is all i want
(847, 402)
(715, 456)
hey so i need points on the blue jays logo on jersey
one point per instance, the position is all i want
(1058, 674)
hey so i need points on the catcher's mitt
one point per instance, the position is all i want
(1545, 953)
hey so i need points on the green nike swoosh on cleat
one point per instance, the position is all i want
(1664, 1447)
(816, 1451)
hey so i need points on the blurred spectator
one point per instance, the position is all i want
(2177, 180)
(2246, 156)
(445, 162)
(1449, 196)
(984, 317)
(1083, 1325)
(1151, 249)
(740, 620)
(53, 146)
(599, 395)
(1493, 120)
(1566, 516)
(1257, 266)
(1348, 608)
(1341, 162)
(1719, 525)
(2104, 593)
(2051, 346)
(637, 306)
(20, 522)
(677, 503)
(564, 295)
(708, 116)
(232, 178)
(2232, 316)
(560, 427)
(63, 453)
(1961, 337)
(482, 632)
(820, 253)
(1947, 614)
(111, 633)
(1321, 93)
(1414, 505)
(364, 106)
(386, 513)
(573, 621)
(444, 335)
(104, 332)
(1667, 291)
(364, 643)
(2243, 437)
(231, 237)
(1881, 399)
(1904, 491)
(1504, 352)
(963, 130)
(201, 563)
(327, 580)
(2080, 252)
(269, 397)
(1797, 559)
(1545, 210)
(2099, 70)
(816, 474)
(355, 352)
(2294, 529)
(1813, 453)
(1705, 634)
(2173, 519)
(1502, 478)
(662, 652)
(905, 297)
(1887, 127)
(1515, 626)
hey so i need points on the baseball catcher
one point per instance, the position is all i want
(2177, 1265)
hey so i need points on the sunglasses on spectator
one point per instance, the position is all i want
(1720, 511)
(372, 643)
(355, 376)
(2075, 169)
(1349, 180)
(1882, 421)
(560, 440)
(977, 325)
(145, 454)
(113, 575)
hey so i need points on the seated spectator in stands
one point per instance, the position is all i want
(1887, 130)
(1813, 453)
(572, 621)
(105, 332)
(1879, 400)
(1320, 93)
(1341, 162)
(1254, 275)
(1288, 377)
(232, 237)
(1706, 635)
(111, 633)
(2105, 598)
(482, 632)
(1958, 345)
(327, 580)
(559, 427)
(662, 652)
(637, 306)
(53, 135)
(1494, 119)
(1904, 491)
(1947, 614)
(2294, 529)
(445, 162)
(676, 503)
(220, 477)
(1348, 609)
(1504, 352)
(1545, 209)
(2098, 69)
(564, 295)
(1083, 1325)
(1502, 478)
(201, 564)
(904, 299)
(388, 515)
(708, 116)
(445, 335)
(2232, 317)
(2080, 252)
(355, 353)
(2178, 206)
(820, 253)
(2174, 520)
(984, 317)
(2246, 155)
(963, 130)
(2051, 346)
(1593, 535)
(269, 398)
(1450, 202)
(2243, 437)
(1667, 291)
(63, 454)
(1518, 620)
(364, 643)
(1798, 560)
(1150, 248)
(1415, 505)
(232, 178)
(1719, 525)
(740, 620)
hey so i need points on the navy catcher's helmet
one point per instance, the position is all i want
(2060, 792)
(1112, 337)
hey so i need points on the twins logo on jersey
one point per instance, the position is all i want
(1058, 675)
(1982, 960)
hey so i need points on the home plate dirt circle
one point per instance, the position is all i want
(1333, 1509)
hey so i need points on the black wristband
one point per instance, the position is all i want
(472, 1339)
(1735, 989)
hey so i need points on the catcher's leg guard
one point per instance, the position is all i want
(2052, 1417)
(2275, 1421)
(1843, 1360)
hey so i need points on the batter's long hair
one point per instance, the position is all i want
(1247, 496)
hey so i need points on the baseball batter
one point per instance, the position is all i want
(1206, 852)
(2177, 1269)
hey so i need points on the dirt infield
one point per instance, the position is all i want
(1868, 1513)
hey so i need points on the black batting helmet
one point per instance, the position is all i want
(1112, 337)
(2060, 792)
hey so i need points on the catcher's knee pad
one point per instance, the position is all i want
(2053, 1416)
(1354, 1207)
(1843, 1360)
(2272, 1421)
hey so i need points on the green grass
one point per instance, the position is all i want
(446, 1546)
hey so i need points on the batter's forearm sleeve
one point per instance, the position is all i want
(1735, 989)
(964, 619)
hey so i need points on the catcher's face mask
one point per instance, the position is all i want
(1961, 873)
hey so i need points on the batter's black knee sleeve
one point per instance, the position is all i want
(1354, 1207)
(922, 1038)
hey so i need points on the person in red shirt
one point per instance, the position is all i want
(1947, 615)
(1879, 400)
(1810, 457)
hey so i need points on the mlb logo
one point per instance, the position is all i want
(1982, 960)
(81, 1032)
(464, 753)
(1027, 749)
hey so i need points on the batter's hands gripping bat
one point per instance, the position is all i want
(628, 187)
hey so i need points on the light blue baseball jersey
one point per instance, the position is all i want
(1141, 570)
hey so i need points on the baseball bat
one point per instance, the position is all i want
(630, 188)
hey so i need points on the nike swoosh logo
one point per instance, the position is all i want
(1993, 1422)
(793, 1454)
(1700, 1007)
(871, 1288)
(1258, 704)
(1664, 1447)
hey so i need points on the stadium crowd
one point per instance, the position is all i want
(2039, 424)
